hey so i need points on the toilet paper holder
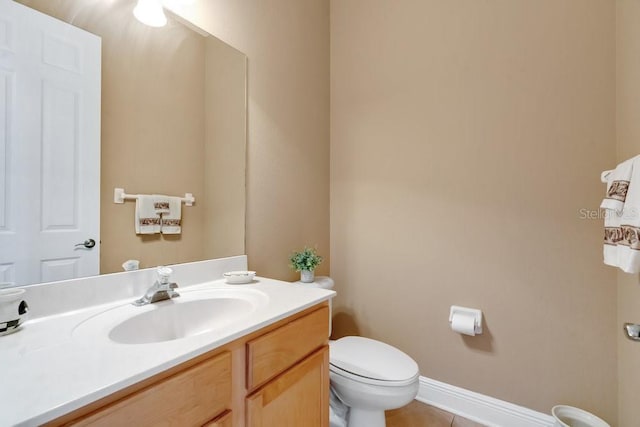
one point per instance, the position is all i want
(475, 313)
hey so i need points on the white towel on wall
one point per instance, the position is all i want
(629, 246)
(613, 203)
(171, 221)
(622, 217)
(147, 221)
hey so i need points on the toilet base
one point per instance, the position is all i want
(366, 418)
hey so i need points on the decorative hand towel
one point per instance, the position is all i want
(629, 246)
(171, 221)
(617, 187)
(622, 226)
(147, 221)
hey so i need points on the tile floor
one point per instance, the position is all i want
(418, 414)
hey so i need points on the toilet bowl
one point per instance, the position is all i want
(371, 377)
(368, 376)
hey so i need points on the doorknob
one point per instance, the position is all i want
(89, 243)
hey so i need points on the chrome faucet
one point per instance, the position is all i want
(161, 290)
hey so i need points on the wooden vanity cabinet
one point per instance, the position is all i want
(275, 377)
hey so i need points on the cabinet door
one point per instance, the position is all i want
(298, 397)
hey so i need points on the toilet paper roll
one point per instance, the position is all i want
(463, 323)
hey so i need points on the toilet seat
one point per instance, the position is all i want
(371, 362)
(372, 381)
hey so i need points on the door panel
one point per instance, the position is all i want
(59, 158)
(58, 269)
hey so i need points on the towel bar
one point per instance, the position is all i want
(119, 196)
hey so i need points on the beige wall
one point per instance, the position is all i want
(465, 138)
(287, 45)
(628, 138)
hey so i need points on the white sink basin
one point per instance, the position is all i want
(193, 313)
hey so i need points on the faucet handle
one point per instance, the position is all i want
(164, 274)
(172, 290)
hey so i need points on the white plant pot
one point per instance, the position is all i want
(307, 276)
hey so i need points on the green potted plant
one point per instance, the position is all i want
(305, 262)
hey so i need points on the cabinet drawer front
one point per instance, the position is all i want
(189, 398)
(276, 351)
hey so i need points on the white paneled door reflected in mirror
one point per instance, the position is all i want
(51, 146)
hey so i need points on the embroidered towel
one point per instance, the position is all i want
(629, 246)
(622, 217)
(171, 221)
(147, 221)
(613, 203)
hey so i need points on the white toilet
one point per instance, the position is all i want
(369, 376)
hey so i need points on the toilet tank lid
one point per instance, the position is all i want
(372, 359)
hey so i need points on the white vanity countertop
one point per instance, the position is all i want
(47, 370)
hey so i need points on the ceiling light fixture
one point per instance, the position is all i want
(150, 12)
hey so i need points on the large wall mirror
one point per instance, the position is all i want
(172, 121)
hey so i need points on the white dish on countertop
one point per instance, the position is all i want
(239, 277)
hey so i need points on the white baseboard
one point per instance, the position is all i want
(478, 407)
